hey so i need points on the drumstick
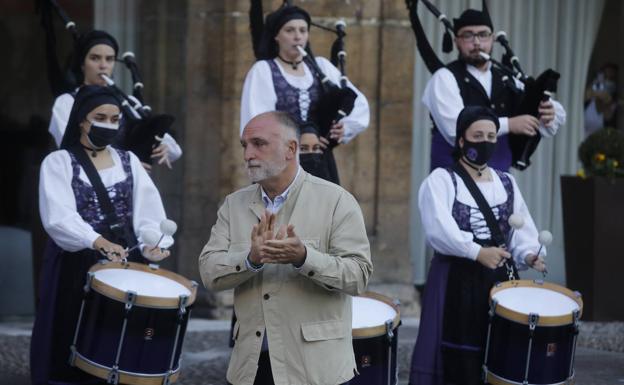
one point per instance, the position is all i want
(151, 237)
(515, 222)
(167, 227)
(544, 238)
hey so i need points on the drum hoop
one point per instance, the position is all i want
(380, 330)
(125, 377)
(512, 315)
(142, 300)
(495, 379)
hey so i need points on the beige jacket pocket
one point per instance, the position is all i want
(328, 352)
(324, 330)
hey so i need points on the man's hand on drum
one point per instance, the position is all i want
(162, 153)
(536, 262)
(155, 254)
(110, 250)
(492, 257)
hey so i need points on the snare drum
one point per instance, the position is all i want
(132, 323)
(376, 320)
(532, 333)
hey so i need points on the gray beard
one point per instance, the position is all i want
(265, 171)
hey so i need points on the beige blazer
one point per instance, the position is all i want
(305, 312)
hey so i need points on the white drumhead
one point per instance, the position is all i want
(369, 312)
(541, 301)
(142, 283)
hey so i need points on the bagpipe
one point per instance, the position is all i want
(337, 100)
(535, 90)
(142, 130)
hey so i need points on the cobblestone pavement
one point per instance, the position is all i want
(205, 354)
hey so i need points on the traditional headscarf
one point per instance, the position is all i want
(472, 17)
(268, 48)
(88, 41)
(466, 117)
(308, 128)
(87, 99)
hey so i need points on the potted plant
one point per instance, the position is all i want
(593, 225)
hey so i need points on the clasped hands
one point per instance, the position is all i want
(271, 245)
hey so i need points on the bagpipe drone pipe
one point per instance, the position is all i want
(535, 90)
(142, 130)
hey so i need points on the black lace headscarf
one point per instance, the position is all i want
(87, 99)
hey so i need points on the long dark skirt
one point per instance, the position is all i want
(453, 323)
(63, 276)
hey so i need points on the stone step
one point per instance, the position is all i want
(206, 354)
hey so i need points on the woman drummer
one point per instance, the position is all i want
(284, 82)
(95, 201)
(470, 253)
(95, 54)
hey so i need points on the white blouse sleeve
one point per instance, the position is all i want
(443, 100)
(435, 202)
(60, 115)
(175, 151)
(258, 93)
(560, 119)
(57, 205)
(524, 240)
(359, 118)
(147, 207)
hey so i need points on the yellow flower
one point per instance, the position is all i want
(581, 173)
(600, 157)
(616, 164)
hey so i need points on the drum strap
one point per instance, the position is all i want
(116, 227)
(486, 210)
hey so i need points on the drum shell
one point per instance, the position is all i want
(148, 341)
(371, 357)
(551, 352)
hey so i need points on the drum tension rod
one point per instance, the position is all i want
(533, 319)
(491, 312)
(389, 332)
(576, 315)
(86, 288)
(113, 375)
(390, 336)
(183, 301)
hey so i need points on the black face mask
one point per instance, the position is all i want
(313, 163)
(478, 153)
(102, 134)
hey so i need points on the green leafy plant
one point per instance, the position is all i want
(602, 154)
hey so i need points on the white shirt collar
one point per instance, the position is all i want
(275, 204)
